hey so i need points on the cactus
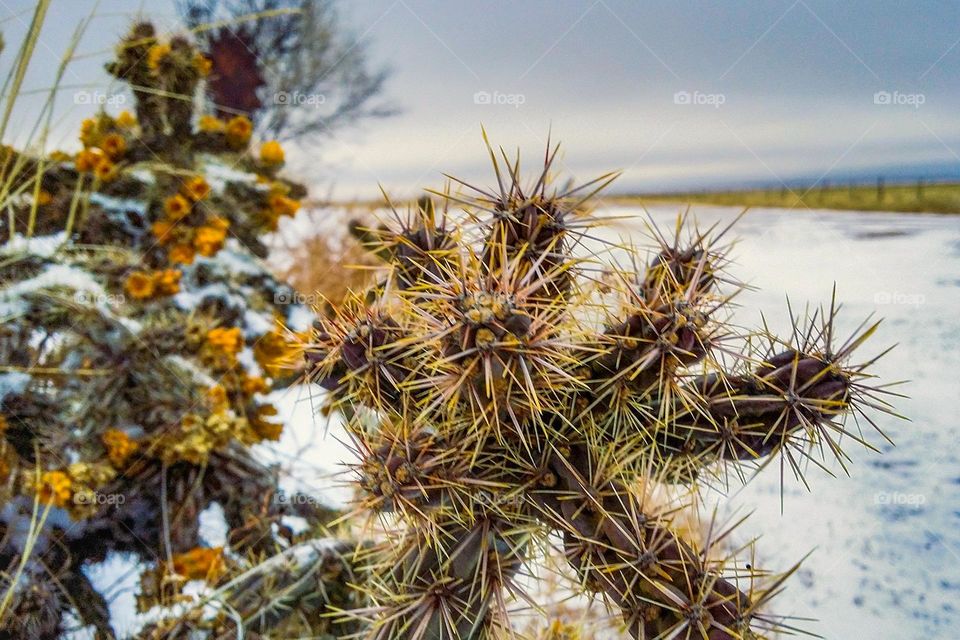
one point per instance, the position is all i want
(507, 388)
(139, 337)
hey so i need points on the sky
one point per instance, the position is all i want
(677, 94)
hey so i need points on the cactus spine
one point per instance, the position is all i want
(507, 389)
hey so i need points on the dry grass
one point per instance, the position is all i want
(917, 198)
(320, 258)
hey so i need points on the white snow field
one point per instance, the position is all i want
(885, 542)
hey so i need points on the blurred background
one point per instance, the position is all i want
(679, 95)
(836, 122)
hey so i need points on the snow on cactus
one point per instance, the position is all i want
(140, 336)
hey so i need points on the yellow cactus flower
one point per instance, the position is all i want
(119, 446)
(167, 281)
(161, 231)
(88, 132)
(176, 207)
(202, 64)
(157, 54)
(196, 188)
(276, 352)
(88, 159)
(225, 339)
(181, 254)
(271, 153)
(139, 285)
(208, 240)
(211, 124)
(260, 423)
(113, 145)
(56, 488)
(106, 171)
(239, 129)
(217, 395)
(282, 205)
(218, 222)
(254, 384)
(201, 563)
(126, 120)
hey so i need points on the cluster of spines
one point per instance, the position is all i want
(491, 415)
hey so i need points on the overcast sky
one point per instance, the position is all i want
(674, 92)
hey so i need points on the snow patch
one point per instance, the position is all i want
(213, 525)
(300, 317)
(119, 205)
(12, 303)
(40, 246)
(13, 383)
(219, 174)
(312, 451)
(117, 578)
(234, 259)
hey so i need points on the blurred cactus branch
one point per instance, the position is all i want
(141, 340)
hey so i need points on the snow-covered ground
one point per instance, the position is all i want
(885, 541)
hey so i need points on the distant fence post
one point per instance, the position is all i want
(880, 189)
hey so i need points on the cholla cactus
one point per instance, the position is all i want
(139, 337)
(507, 389)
